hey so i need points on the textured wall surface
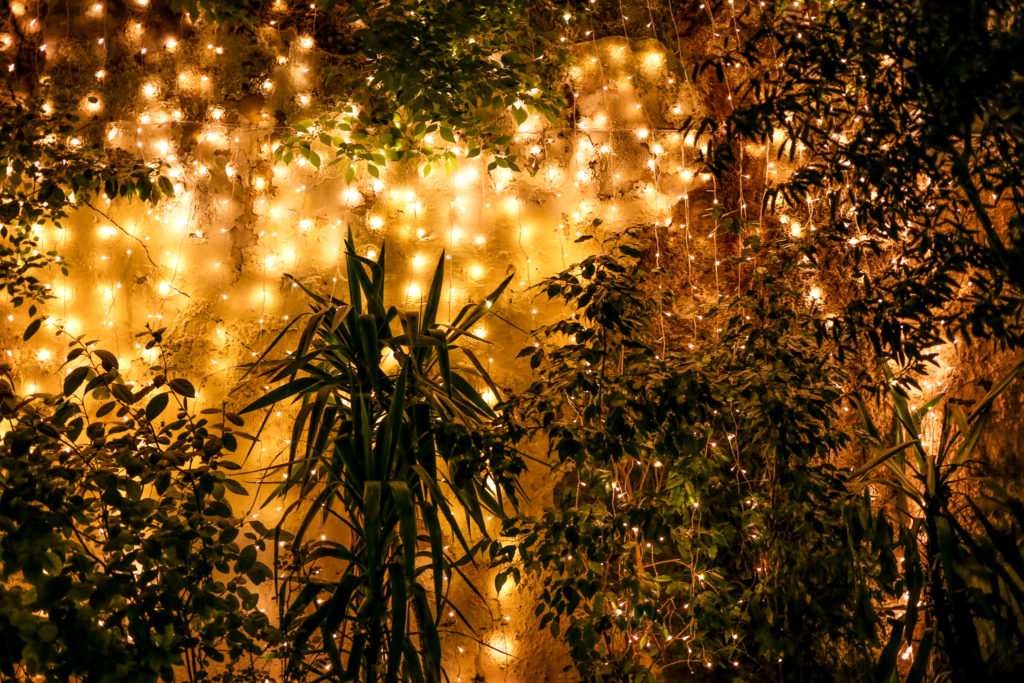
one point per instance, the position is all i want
(209, 264)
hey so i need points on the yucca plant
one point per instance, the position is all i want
(961, 540)
(391, 449)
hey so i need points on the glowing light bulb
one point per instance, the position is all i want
(352, 197)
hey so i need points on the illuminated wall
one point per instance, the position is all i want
(208, 264)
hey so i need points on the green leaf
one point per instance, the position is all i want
(246, 559)
(286, 390)
(156, 406)
(31, 329)
(883, 457)
(74, 379)
(182, 387)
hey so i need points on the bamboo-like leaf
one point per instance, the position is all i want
(484, 375)
(430, 642)
(986, 403)
(413, 670)
(439, 501)
(924, 409)
(471, 314)
(900, 404)
(969, 440)
(428, 513)
(273, 344)
(960, 417)
(865, 419)
(355, 656)
(433, 297)
(393, 424)
(398, 579)
(407, 523)
(373, 442)
(287, 390)
(466, 390)
(369, 348)
(354, 269)
(1011, 555)
(444, 362)
(371, 503)
(922, 658)
(413, 340)
(886, 666)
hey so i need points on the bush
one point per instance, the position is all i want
(120, 553)
(700, 527)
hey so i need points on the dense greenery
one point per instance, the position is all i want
(970, 565)
(51, 164)
(122, 558)
(699, 526)
(420, 77)
(905, 121)
(389, 451)
(410, 79)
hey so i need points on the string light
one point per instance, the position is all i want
(238, 221)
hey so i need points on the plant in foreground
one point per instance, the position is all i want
(963, 565)
(120, 555)
(699, 529)
(391, 449)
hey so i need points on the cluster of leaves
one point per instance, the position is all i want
(120, 555)
(913, 174)
(698, 527)
(418, 79)
(965, 583)
(51, 163)
(390, 448)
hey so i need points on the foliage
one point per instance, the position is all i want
(698, 526)
(416, 78)
(388, 446)
(49, 165)
(421, 78)
(966, 584)
(903, 120)
(121, 556)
